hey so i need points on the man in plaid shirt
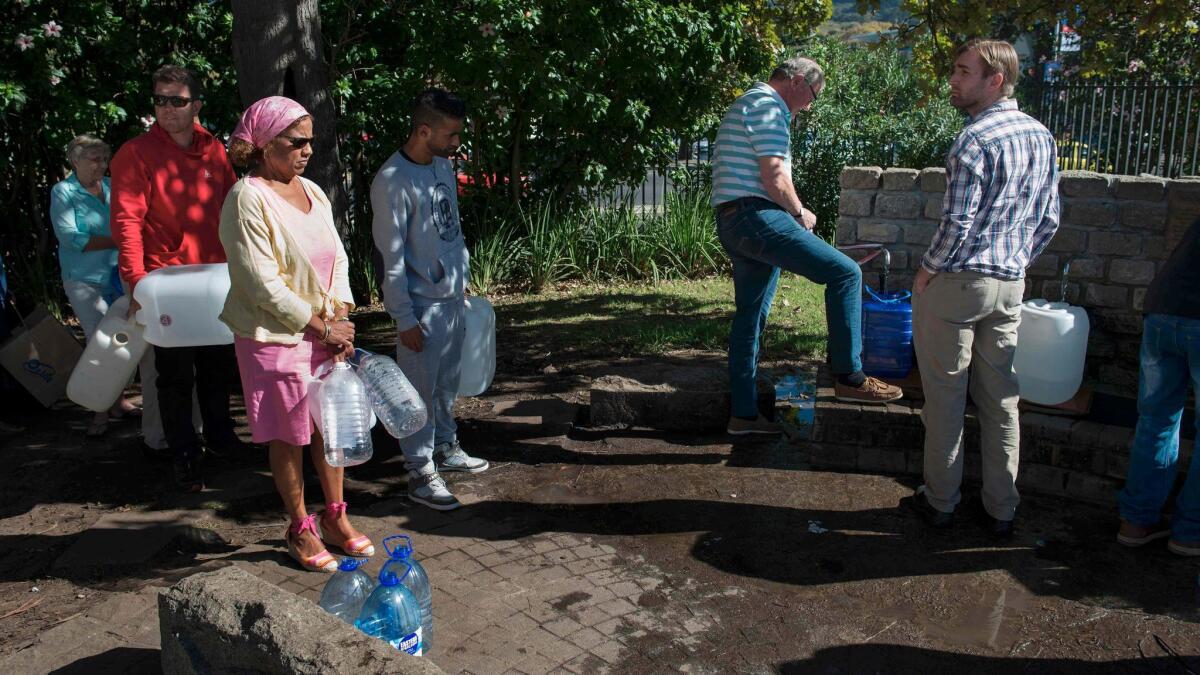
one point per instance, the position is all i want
(1001, 209)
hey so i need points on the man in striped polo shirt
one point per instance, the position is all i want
(1000, 210)
(764, 227)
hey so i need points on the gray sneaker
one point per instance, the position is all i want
(453, 458)
(740, 427)
(428, 488)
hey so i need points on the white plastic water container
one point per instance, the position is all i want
(108, 362)
(479, 347)
(1051, 348)
(181, 305)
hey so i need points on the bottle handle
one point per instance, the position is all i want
(905, 295)
(394, 561)
(396, 552)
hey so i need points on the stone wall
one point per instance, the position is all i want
(1116, 231)
(1079, 459)
(230, 621)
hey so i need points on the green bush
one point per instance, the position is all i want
(599, 244)
(871, 112)
(68, 68)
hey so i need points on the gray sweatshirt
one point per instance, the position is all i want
(418, 235)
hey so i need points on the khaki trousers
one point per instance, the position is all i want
(965, 336)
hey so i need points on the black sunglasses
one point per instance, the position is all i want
(175, 101)
(298, 142)
(812, 91)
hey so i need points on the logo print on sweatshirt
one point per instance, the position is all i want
(445, 216)
(208, 174)
(165, 319)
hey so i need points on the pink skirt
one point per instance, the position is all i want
(275, 386)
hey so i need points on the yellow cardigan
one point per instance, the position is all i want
(274, 288)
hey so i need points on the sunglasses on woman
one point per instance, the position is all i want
(298, 142)
(175, 101)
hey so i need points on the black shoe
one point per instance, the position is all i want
(998, 529)
(188, 474)
(231, 448)
(938, 520)
(155, 454)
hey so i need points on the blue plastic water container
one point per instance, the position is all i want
(887, 334)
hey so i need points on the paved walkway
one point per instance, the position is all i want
(630, 551)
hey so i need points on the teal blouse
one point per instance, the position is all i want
(78, 215)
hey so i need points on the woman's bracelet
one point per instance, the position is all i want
(325, 338)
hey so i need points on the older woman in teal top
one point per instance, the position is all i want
(86, 252)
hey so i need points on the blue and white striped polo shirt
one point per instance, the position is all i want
(756, 126)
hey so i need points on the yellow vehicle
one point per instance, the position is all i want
(1079, 156)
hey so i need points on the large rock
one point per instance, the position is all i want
(230, 621)
(687, 398)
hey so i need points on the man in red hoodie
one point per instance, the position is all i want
(168, 186)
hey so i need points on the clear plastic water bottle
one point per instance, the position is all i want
(396, 402)
(416, 581)
(346, 592)
(345, 417)
(391, 612)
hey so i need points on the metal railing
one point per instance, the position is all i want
(1124, 127)
(690, 157)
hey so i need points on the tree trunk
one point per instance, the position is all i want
(278, 51)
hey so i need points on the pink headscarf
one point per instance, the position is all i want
(267, 118)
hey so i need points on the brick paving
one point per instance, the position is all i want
(549, 602)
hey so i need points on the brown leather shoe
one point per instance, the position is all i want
(1134, 535)
(740, 427)
(871, 391)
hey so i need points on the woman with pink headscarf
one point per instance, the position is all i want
(287, 307)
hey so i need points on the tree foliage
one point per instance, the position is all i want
(1115, 33)
(70, 67)
(871, 112)
(783, 21)
(565, 95)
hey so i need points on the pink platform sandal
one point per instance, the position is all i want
(321, 562)
(359, 547)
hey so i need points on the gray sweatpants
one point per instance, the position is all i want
(434, 372)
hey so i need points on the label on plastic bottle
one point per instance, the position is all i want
(410, 643)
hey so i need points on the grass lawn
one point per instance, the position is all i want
(636, 319)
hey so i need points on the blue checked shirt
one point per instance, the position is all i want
(1001, 206)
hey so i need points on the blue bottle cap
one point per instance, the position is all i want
(350, 564)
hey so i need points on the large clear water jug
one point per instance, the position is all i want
(343, 416)
(347, 590)
(1051, 351)
(108, 361)
(479, 347)
(181, 305)
(400, 547)
(393, 398)
(391, 612)
(887, 334)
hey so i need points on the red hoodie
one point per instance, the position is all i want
(166, 201)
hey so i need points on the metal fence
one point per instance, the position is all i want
(691, 158)
(1124, 127)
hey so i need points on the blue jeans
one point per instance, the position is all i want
(1170, 357)
(434, 373)
(761, 238)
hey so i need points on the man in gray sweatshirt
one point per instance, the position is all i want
(424, 270)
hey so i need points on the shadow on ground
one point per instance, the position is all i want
(885, 659)
(1061, 550)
